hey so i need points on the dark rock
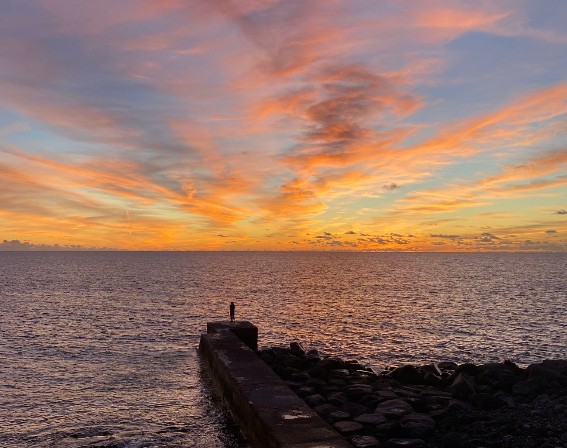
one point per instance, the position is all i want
(369, 400)
(300, 376)
(296, 349)
(318, 371)
(364, 442)
(544, 374)
(340, 415)
(339, 383)
(316, 383)
(462, 386)
(356, 391)
(314, 400)
(332, 363)
(371, 419)
(325, 409)
(432, 368)
(337, 398)
(292, 361)
(407, 393)
(407, 374)
(468, 368)
(506, 381)
(417, 425)
(406, 443)
(268, 356)
(394, 408)
(286, 372)
(453, 440)
(487, 401)
(386, 395)
(419, 418)
(354, 365)
(294, 384)
(347, 426)
(354, 409)
(432, 380)
(304, 391)
(339, 374)
(312, 355)
(525, 387)
(278, 351)
(447, 365)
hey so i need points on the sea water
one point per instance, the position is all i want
(98, 349)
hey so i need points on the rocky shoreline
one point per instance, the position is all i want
(443, 405)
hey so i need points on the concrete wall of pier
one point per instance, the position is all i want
(269, 413)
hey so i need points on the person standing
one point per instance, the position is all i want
(232, 308)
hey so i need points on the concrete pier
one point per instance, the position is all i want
(269, 413)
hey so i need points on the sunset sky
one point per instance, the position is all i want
(284, 125)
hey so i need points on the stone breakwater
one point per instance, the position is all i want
(443, 405)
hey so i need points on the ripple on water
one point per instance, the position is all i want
(98, 349)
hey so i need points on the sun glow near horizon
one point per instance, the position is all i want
(276, 125)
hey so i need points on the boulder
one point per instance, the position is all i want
(526, 387)
(487, 402)
(417, 425)
(279, 352)
(296, 349)
(291, 361)
(406, 443)
(305, 391)
(354, 409)
(300, 376)
(453, 440)
(338, 373)
(347, 427)
(469, 369)
(462, 386)
(314, 400)
(318, 371)
(394, 408)
(325, 409)
(356, 391)
(371, 419)
(340, 415)
(365, 442)
(386, 395)
(407, 374)
(331, 363)
(546, 373)
(369, 400)
(432, 380)
(315, 383)
(337, 398)
(268, 356)
(447, 365)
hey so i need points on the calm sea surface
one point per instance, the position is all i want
(98, 349)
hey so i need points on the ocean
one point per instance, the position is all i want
(98, 349)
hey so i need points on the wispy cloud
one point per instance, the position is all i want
(226, 118)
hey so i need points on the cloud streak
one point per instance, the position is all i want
(269, 120)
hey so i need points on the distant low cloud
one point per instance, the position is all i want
(390, 187)
(350, 232)
(445, 236)
(551, 232)
(342, 244)
(17, 245)
(487, 237)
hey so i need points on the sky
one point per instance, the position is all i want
(400, 125)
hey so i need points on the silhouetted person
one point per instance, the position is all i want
(232, 307)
